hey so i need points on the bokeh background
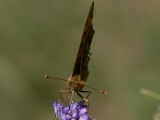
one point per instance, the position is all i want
(43, 36)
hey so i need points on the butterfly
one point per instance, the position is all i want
(77, 80)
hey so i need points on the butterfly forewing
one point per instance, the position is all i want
(83, 56)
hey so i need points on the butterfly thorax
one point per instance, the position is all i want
(75, 82)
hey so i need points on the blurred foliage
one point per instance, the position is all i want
(154, 95)
(157, 114)
(38, 37)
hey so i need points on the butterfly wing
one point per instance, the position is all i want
(83, 56)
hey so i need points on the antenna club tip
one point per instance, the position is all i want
(104, 92)
(46, 76)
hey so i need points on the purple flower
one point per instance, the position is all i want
(75, 111)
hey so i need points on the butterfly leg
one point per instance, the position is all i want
(64, 92)
(72, 93)
(86, 98)
(83, 91)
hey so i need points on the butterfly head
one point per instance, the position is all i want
(75, 82)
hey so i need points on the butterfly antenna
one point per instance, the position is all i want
(98, 90)
(46, 76)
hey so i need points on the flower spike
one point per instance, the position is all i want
(75, 111)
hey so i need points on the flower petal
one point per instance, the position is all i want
(84, 117)
(83, 110)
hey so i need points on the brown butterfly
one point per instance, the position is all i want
(80, 72)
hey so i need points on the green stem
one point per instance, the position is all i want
(150, 93)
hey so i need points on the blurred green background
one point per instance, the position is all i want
(43, 36)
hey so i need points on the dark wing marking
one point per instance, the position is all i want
(83, 56)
